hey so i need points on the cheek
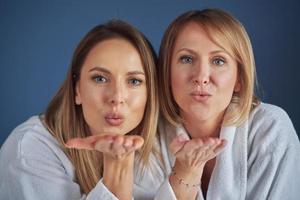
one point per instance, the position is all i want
(180, 86)
(177, 81)
(227, 83)
(89, 96)
(92, 98)
(138, 101)
(137, 107)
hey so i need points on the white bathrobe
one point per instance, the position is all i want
(261, 161)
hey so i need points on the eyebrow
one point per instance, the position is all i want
(219, 51)
(186, 49)
(194, 52)
(101, 69)
(136, 73)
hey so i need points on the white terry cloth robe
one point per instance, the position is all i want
(33, 166)
(260, 161)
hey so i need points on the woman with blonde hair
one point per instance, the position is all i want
(98, 131)
(223, 142)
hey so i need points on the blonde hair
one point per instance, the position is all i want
(65, 120)
(227, 32)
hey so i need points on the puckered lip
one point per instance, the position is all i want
(200, 96)
(200, 93)
(114, 119)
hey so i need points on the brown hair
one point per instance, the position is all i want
(227, 32)
(64, 119)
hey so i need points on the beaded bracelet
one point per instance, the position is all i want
(182, 182)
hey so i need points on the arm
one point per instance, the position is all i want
(275, 176)
(274, 161)
(41, 175)
(191, 156)
(118, 176)
(118, 160)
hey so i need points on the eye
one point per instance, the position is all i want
(99, 79)
(186, 59)
(135, 82)
(219, 61)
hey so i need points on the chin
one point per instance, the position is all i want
(115, 130)
(108, 131)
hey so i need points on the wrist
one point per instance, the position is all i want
(115, 161)
(181, 181)
(185, 185)
(118, 175)
(189, 173)
(118, 168)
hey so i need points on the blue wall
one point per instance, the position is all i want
(37, 39)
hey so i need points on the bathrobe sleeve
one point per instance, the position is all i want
(33, 167)
(274, 160)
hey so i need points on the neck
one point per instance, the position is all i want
(197, 128)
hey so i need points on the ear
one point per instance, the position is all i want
(77, 94)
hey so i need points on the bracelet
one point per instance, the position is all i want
(182, 182)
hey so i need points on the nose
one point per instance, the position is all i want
(118, 95)
(201, 75)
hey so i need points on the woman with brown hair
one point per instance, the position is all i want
(224, 143)
(97, 132)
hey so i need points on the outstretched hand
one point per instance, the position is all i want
(115, 146)
(191, 157)
(194, 153)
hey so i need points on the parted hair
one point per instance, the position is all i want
(225, 31)
(64, 119)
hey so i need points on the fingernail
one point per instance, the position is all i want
(68, 145)
(126, 144)
(182, 138)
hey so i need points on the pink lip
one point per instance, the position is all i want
(200, 96)
(114, 119)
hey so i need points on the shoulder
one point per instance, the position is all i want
(31, 141)
(29, 138)
(269, 112)
(270, 130)
(270, 118)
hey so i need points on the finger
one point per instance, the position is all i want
(191, 146)
(117, 146)
(219, 148)
(177, 144)
(132, 143)
(82, 143)
(217, 142)
(87, 143)
(104, 144)
(209, 142)
(128, 143)
(138, 142)
(204, 151)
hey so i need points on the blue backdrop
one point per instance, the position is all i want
(37, 39)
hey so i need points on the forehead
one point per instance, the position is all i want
(114, 54)
(195, 35)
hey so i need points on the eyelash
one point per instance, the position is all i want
(132, 80)
(97, 79)
(218, 59)
(186, 59)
